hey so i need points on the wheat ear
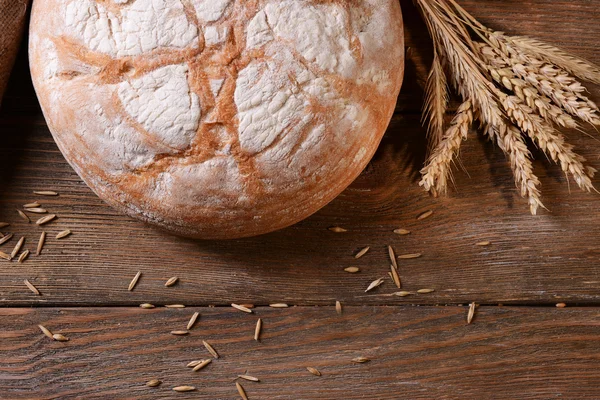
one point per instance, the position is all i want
(576, 66)
(550, 80)
(436, 102)
(552, 143)
(541, 94)
(468, 79)
(512, 144)
(438, 169)
(558, 93)
(501, 72)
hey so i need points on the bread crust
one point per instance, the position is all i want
(217, 119)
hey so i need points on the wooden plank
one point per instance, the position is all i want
(544, 259)
(570, 24)
(415, 353)
(547, 258)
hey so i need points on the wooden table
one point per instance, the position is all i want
(519, 346)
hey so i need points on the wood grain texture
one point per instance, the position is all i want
(544, 259)
(570, 24)
(532, 259)
(415, 353)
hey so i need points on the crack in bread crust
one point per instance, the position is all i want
(261, 102)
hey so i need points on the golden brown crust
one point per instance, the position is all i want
(253, 116)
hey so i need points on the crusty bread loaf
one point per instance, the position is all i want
(217, 118)
(12, 20)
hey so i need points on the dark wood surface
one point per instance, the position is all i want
(534, 351)
(415, 353)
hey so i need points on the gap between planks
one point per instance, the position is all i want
(305, 306)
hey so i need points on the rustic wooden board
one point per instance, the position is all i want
(533, 259)
(415, 352)
(570, 24)
(419, 352)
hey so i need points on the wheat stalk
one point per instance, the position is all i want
(575, 66)
(502, 73)
(514, 87)
(436, 102)
(511, 142)
(551, 143)
(550, 80)
(438, 169)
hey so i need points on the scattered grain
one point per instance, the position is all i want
(247, 305)
(314, 371)
(40, 245)
(134, 281)
(153, 383)
(210, 349)
(172, 281)
(60, 338)
(46, 219)
(352, 270)
(392, 255)
(17, 247)
(425, 291)
(360, 360)
(36, 210)
(338, 307)
(241, 308)
(409, 256)
(471, 312)
(5, 256)
(485, 243)
(6, 238)
(4, 224)
(147, 306)
(402, 294)
(35, 204)
(192, 320)
(425, 215)
(23, 256)
(395, 277)
(23, 216)
(241, 391)
(174, 306)
(192, 364)
(362, 252)
(180, 333)
(561, 305)
(337, 229)
(202, 364)
(278, 305)
(45, 193)
(31, 287)
(374, 284)
(249, 378)
(63, 234)
(402, 232)
(46, 331)
(258, 329)
(184, 388)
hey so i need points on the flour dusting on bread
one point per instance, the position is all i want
(217, 118)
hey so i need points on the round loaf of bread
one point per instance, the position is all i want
(217, 118)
